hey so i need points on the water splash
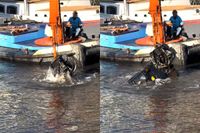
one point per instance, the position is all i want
(160, 82)
(58, 78)
(65, 79)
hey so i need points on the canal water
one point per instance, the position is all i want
(170, 106)
(32, 101)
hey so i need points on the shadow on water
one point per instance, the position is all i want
(30, 104)
(172, 107)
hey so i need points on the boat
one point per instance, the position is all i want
(18, 42)
(120, 34)
(138, 10)
(21, 47)
(129, 50)
(38, 10)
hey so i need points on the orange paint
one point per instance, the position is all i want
(148, 41)
(158, 29)
(48, 41)
(56, 24)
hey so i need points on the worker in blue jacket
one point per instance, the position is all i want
(177, 25)
(75, 25)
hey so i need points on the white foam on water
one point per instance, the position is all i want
(64, 79)
(195, 86)
(58, 78)
(84, 80)
(88, 78)
(160, 82)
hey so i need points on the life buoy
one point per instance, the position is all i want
(47, 41)
(148, 41)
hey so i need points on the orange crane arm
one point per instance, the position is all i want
(158, 28)
(56, 24)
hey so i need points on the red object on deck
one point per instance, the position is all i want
(148, 41)
(48, 41)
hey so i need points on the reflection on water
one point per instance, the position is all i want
(170, 108)
(30, 105)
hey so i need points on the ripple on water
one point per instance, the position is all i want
(65, 79)
(29, 105)
(171, 106)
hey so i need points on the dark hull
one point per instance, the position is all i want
(122, 55)
(19, 55)
(89, 56)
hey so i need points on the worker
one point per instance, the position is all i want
(74, 26)
(148, 74)
(176, 27)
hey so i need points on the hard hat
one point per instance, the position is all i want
(153, 78)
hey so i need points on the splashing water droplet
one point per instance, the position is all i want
(58, 78)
